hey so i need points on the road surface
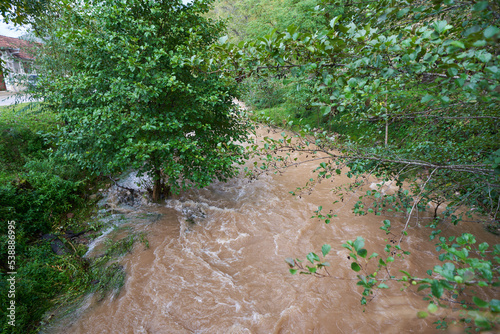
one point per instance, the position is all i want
(9, 98)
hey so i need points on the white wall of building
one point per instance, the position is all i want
(15, 70)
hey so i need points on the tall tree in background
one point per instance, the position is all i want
(123, 86)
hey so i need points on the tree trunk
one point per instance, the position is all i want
(159, 188)
(157, 185)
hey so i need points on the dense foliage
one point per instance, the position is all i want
(26, 11)
(128, 96)
(36, 191)
(249, 20)
(411, 90)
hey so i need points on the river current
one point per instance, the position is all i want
(216, 265)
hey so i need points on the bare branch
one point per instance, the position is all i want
(475, 169)
(415, 202)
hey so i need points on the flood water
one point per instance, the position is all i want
(216, 265)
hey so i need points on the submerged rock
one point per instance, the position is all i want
(56, 244)
(194, 214)
(127, 194)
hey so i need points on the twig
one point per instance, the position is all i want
(119, 186)
(419, 197)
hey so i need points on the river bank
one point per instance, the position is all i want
(216, 263)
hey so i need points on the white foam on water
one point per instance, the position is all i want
(98, 240)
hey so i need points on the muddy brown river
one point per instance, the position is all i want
(216, 265)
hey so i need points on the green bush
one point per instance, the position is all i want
(263, 93)
(37, 189)
(39, 196)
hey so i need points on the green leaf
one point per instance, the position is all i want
(373, 255)
(334, 21)
(355, 267)
(490, 31)
(473, 30)
(293, 271)
(223, 39)
(383, 286)
(363, 252)
(483, 246)
(479, 44)
(358, 243)
(405, 272)
(436, 288)
(482, 322)
(312, 270)
(312, 257)
(458, 44)
(479, 302)
(441, 26)
(460, 82)
(423, 287)
(403, 12)
(492, 69)
(422, 314)
(432, 308)
(347, 246)
(427, 98)
(479, 6)
(495, 305)
(447, 270)
(326, 249)
(484, 57)
(326, 110)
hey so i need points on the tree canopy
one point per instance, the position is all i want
(406, 82)
(410, 90)
(119, 75)
(23, 11)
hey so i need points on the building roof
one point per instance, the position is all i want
(17, 44)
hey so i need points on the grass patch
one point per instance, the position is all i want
(24, 135)
(46, 195)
